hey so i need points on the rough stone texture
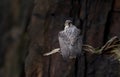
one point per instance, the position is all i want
(14, 17)
(43, 31)
(29, 28)
(114, 26)
(116, 5)
(93, 14)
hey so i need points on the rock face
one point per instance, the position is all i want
(29, 28)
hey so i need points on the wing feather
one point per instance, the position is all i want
(73, 34)
(70, 42)
(64, 44)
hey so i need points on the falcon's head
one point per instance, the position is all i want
(67, 24)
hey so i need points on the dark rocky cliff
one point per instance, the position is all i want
(29, 28)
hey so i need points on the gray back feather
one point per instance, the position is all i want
(70, 42)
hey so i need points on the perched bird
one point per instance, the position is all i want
(70, 41)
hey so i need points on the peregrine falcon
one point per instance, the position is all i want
(70, 41)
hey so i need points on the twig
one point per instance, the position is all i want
(52, 52)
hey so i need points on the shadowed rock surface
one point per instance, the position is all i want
(30, 28)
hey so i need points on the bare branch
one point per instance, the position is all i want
(52, 52)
